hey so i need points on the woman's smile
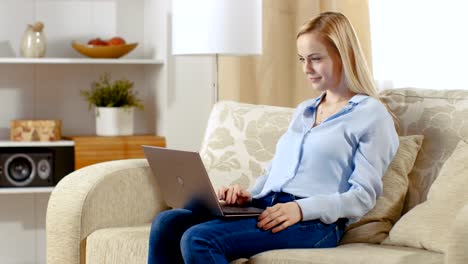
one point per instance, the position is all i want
(314, 79)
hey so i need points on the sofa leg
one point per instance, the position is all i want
(83, 251)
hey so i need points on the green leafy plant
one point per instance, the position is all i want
(104, 93)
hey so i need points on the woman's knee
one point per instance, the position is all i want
(197, 236)
(166, 220)
(191, 236)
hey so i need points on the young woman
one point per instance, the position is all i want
(326, 171)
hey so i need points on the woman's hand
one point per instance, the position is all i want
(234, 195)
(280, 216)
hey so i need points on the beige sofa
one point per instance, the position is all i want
(102, 213)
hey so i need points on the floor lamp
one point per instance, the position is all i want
(217, 27)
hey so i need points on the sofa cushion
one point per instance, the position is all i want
(351, 254)
(428, 225)
(439, 115)
(130, 245)
(121, 245)
(376, 224)
(240, 139)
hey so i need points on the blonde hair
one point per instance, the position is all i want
(336, 29)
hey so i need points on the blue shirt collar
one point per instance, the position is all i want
(356, 99)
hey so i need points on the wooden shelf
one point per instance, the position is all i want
(78, 61)
(58, 143)
(94, 149)
(16, 190)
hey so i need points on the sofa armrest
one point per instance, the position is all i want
(108, 194)
(457, 245)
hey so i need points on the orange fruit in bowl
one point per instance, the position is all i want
(98, 42)
(116, 41)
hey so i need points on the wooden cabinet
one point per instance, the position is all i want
(93, 149)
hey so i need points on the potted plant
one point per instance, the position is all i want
(114, 104)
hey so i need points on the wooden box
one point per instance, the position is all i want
(35, 130)
(94, 149)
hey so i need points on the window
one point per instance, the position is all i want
(419, 43)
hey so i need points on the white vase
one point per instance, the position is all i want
(114, 121)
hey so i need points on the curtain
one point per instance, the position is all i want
(276, 77)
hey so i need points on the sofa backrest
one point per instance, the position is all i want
(442, 117)
(240, 139)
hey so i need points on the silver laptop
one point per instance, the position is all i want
(184, 183)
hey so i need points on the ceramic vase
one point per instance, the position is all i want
(33, 44)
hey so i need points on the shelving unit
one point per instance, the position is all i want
(49, 88)
(79, 61)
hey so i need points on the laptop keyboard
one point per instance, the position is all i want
(229, 209)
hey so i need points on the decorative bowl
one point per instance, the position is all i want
(109, 51)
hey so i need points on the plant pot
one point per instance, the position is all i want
(114, 121)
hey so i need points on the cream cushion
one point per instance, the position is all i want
(130, 245)
(118, 245)
(428, 224)
(376, 224)
(240, 140)
(350, 254)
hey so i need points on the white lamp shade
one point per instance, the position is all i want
(229, 27)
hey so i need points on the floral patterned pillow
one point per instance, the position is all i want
(240, 140)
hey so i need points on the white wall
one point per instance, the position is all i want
(22, 228)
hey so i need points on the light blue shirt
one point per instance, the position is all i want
(337, 165)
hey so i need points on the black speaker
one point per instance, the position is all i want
(34, 164)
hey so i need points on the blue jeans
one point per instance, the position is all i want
(179, 235)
